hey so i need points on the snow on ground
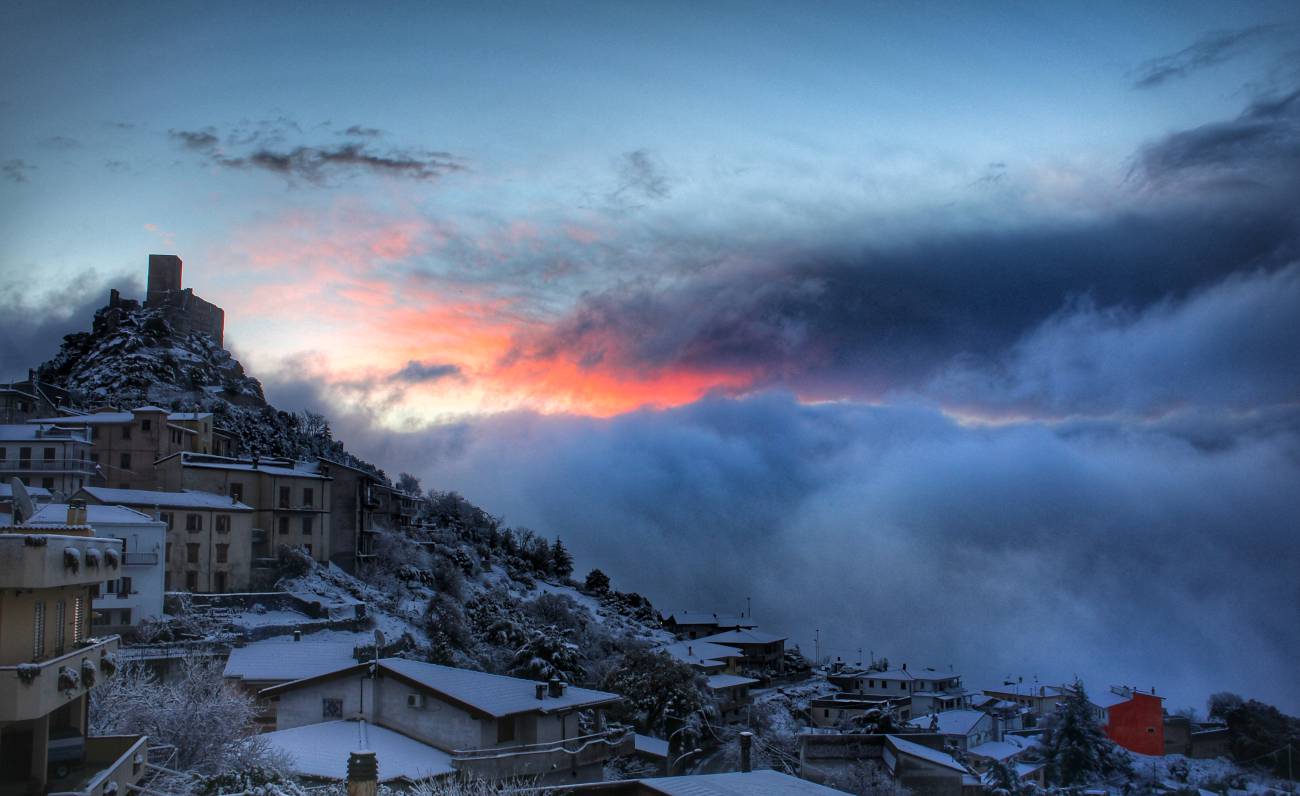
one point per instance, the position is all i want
(321, 750)
(1204, 773)
(262, 619)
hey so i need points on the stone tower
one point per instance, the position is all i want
(164, 278)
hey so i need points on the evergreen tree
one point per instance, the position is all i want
(597, 581)
(561, 560)
(1077, 751)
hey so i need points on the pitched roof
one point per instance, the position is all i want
(478, 692)
(282, 659)
(706, 618)
(321, 750)
(733, 637)
(738, 783)
(57, 514)
(700, 652)
(187, 499)
(925, 753)
(209, 462)
(650, 745)
(952, 722)
(98, 418)
(718, 681)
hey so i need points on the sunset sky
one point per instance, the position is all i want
(916, 289)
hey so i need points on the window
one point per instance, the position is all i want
(38, 630)
(126, 431)
(192, 553)
(223, 554)
(25, 458)
(237, 491)
(284, 497)
(331, 708)
(223, 523)
(94, 432)
(4, 453)
(307, 495)
(146, 425)
(505, 729)
(193, 522)
(60, 626)
(125, 587)
(218, 581)
(284, 524)
(48, 454)
(306, 525)
(125, 461)
(168, 553)
(191, 581)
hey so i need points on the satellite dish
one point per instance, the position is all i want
(23, 508)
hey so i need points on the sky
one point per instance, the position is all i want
(963, 333)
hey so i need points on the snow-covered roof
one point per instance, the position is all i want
(189, 415)
(701, 652)
(925, 753)
(493, 694)
(952, 722)
(96, 419)
(737, 783)
(924, 673)
(1109, 698)
(57, 514)
(150, 408)
(718, 681)
(213, 463)
(706, 618)
(283, 659)
(1002, 750)
(321, 750)
(650, 745)
(28, 433)
(7, 491)
(742, 636)
(187, 499)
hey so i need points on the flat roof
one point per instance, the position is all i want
(187, 499)
(57, 514)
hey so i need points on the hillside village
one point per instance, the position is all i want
(202, 594)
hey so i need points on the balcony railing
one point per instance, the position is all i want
(79, 466)
(139, 559)
(113, 764)
(31, 690)
(536, 760)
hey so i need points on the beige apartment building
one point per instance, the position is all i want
(290, 499)
(53, 457)
(209, 547)
(49, 664)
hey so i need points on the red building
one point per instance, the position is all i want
(1133, 719)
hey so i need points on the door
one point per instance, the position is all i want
(15, 755)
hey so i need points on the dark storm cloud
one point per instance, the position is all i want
(1259, 148)
(313, 164)
(416, 372)
(1210, 50)
(357, 131)
(1120, 552)
(16, 170)
(32, 327)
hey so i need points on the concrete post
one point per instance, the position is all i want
(746, 745)
(363, 774)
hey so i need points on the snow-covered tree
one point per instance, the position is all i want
(1004, 781)
(409, 484)
(656, 690)
(597, 581)
(209, 721)
(1076, 750)
(561, 560)
(548, 654)
(867, 778)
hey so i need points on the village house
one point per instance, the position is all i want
(760, 650)
(839, 709)
(698, 624)
(278, 660)
(357, 501)
(20, 401)
(914, 762)
(1039, 700)
(136, 592)
(290, 499)
(1199, 740)
(53, 457)
(708, 657)
(209, 541)
(731, 694)
(925, 771)
(960, 728)
(49, 663)
(927, 689)
(1132, 718)
(126, 444)
(482, 725)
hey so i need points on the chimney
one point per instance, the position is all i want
(541, 690)
(690, 652)
(76, 512)
(556, 687)
(297, 634)
(905, 667)
(746, 742)
(363, 774)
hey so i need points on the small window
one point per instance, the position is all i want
(124, 587)
(223, 523)
(331, 708)
(126, 432)
(284, 524)
(146, 425)
(125, 461)
(306, 525)
(48, 454)
(193, 522)
(166, 516)
(191, 581)
(218, 581)
(223, 554)
(284, 497)
(192, 553)
(307, 495)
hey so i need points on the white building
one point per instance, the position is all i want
(137, 593)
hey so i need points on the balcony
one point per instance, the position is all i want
(32, 690)
(139, 559)
(57, 558)
(75, 466)
(539, 760)
(113, 764)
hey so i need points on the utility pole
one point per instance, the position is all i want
(749, 610)
(817, 644)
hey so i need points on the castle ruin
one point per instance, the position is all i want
(182, 309)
